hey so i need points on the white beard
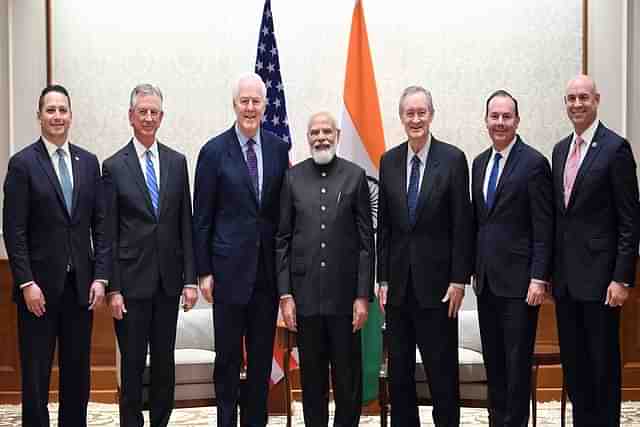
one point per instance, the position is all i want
(323, 156)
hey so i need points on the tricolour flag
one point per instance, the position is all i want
(274, 120)
(362, 141)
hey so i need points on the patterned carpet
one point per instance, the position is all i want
(107, 416)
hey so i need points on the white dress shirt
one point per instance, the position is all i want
(503, 161)
(423, 154)
(55, 158)
(141, 151)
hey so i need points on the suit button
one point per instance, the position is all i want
(323, 190)
(323, 264)
(257, 243)
(323, 208)
(322, 226)
(323, 245)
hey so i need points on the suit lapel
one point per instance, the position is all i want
(78, 176)
(131, 159)
(165, 172)
(428, 178)
(478, 179)
(235, 152)
(268, 163)
(592, 151)
(47, 166)
(402, 167)
(509, 167)
(563, 152)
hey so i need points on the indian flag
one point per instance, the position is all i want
(362, 141)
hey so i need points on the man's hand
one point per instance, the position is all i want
(96, 294)
(206, 287)
(116, 303)
(537, 293)
(382, 296)
(288, 308)
(34, 299)
(454, 295)
(189, 298)
(360, 313)
(617, 294)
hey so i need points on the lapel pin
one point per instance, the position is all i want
(77, 158)
(594, 144)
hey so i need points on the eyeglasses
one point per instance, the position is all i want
(144, 112)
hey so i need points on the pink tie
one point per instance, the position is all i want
(571, 170)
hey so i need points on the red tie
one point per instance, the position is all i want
(571, 169)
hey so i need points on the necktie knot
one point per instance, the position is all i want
(497, 157)
(415, 161)
(579, 141)
(60, 152)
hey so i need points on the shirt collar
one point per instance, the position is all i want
(141, 149)
(244, 139)
(588, 134)
(422, 154)
(51, 147)
(505, 152)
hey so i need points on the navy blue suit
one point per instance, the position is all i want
(234, 237)
(513, 245)
(43, 240)
(596, 241)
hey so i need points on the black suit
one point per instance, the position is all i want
(234, 232)
(43, 242)
(325, 259)
(596, 241)
(419, 262)
(513, 245)
(152, 260)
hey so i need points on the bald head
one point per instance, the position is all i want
(581, 101)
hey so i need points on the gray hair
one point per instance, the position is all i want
(413, 90)
(144, 89)
(248, 77)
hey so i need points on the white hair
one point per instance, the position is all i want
(248, 77)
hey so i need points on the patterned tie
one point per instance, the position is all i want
(412, 193)
(152, 181)
(65, 179)
(493, 180)
(571, 169)
(252, 164)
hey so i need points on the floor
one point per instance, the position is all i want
(107, 416)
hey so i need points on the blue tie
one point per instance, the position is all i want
(65, 180)
(152, 182)
(412, 193)
(252, 165)
(493, 181)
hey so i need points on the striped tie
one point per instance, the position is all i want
(152, 182)
(65, 180)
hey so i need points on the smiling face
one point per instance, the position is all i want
(322, 136)
(55, 117)
(502, 121)
(249, 105)
(416, 116)
(582, 100)
(145, 117)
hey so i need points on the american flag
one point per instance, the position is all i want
(274, 120)
(268, 67)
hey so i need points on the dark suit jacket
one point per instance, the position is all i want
(438, 248)
(230, 226)
(596, 239)
(514, 239)
(40, 235)
(325, 269)
(147, 250)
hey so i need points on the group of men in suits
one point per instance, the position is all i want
(264, 235)
(571, 230)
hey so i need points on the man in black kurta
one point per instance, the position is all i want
(324, 259)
